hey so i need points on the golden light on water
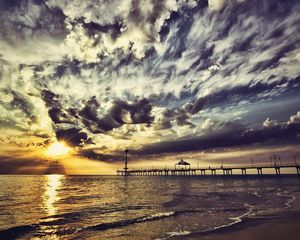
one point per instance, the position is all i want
(53, 182)
(58, 149)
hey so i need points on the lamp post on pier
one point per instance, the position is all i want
(126, 161)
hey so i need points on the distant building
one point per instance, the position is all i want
(183, 163)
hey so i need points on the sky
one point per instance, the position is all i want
(205, 80)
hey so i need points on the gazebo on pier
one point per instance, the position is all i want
(183, 163)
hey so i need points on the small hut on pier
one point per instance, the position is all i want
(182, 164)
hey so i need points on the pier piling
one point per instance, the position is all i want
(225, 170)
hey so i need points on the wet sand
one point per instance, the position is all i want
(278, 225)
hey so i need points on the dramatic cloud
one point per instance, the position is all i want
(294, 119)
(269, 123)
(122, 112)
(154, 76)
(73, 136)
(230, 135)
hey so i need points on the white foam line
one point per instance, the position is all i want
(236, 220)
(157, 215)
(291, 199)
(172, 234)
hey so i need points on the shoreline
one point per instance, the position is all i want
(275, 225)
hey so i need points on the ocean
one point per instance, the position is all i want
(111, 207)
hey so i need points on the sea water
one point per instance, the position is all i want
(111, 207)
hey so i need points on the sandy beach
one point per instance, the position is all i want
(279, 225)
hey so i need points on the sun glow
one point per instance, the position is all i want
(58, 149)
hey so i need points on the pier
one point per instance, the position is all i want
(183, 168)
(222, 170)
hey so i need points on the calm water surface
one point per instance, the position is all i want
(109, 207)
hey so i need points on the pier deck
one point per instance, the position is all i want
(225, 170)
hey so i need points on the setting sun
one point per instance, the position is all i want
(58, 149)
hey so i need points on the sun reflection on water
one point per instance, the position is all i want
(53, 183)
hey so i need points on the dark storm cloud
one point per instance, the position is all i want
(233, 135)
(199, 143)
(183, 118)
(180, 116)
(113, 29)
(50, 98)
(73, 137)
(205, 59)
(58, 115)
(40, 20)
(68, 67)
(8, 4)
(126, 113)
(198, 105)
(244, 44)
(90, 110)
(55, 110)
(140, 111)
(236, 94)
(158, 8)
(179, 44)
(165, 121)
(95, 155)
(13, 165)
(119, 113)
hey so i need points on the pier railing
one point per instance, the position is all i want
(225, 169)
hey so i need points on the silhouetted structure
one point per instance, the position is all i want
(226, 170)
(182, 163)
(126, 162)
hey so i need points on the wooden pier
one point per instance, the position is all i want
(222, 170)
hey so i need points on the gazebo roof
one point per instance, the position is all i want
(182, 162)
